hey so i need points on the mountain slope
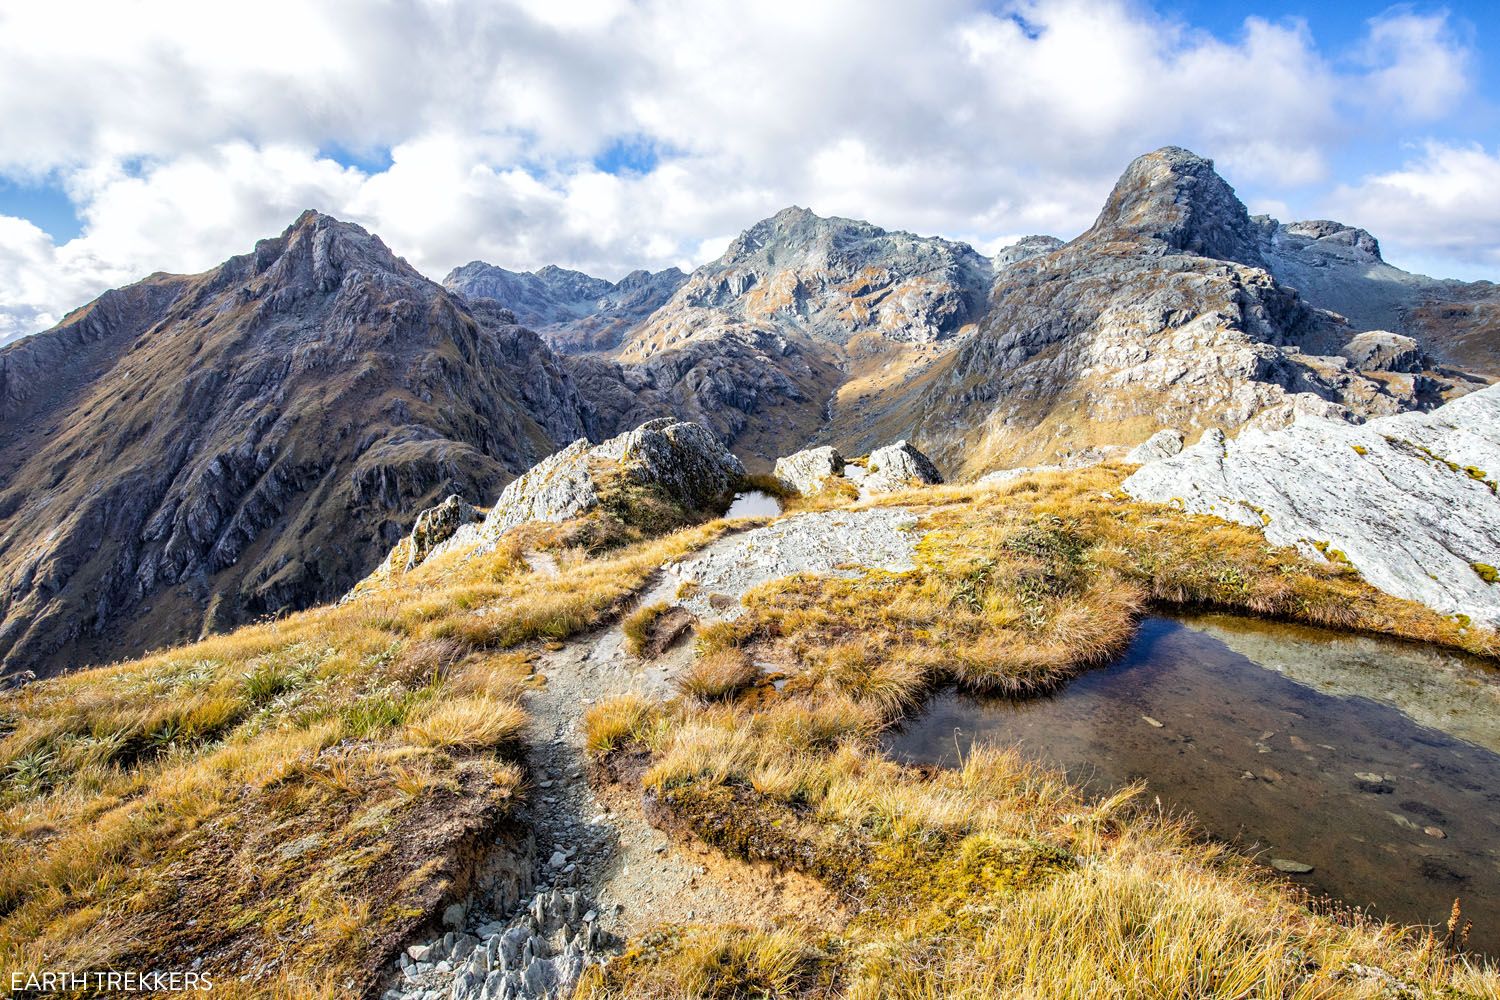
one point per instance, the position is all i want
(1339, 267)
(248, 440)
(1163, 313)
(573, 312)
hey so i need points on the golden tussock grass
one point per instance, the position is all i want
(638, 625)
(999, 878)
(719, 674)
(1018, 588)
(287, 781)
(472, 723)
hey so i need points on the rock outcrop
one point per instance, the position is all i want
(1383, 351)
(681, 464)
(434, 526)
(894, 467)
(193, 452)
(1025, 248)
(538, 954)
(808, 470)
(572, 311)
(1408, 500)
(1163, 444)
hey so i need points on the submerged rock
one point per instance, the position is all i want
(1409, 500)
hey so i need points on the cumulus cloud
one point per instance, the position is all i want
(1416, 65)
(1440, 204)
(184, 131)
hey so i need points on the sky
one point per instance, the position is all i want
(605, 135)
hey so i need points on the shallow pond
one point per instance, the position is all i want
(753, 503)
(1373, 761)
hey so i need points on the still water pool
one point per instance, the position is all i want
(1376, 762)
(753, 503)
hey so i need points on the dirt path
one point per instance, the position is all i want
(603, 874)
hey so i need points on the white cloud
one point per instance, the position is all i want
(1439, 208)
(184, 131)
(1418, 68)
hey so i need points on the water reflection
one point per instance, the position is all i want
(754, 503)
(1390, 813)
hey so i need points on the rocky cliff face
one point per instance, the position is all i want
(1409, 500)
(575, 313)
(192, 452)
(1163, 313)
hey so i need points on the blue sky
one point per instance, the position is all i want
(608, 135)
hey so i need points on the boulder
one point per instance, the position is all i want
(1383, 351)
(682, 462)
(1409, 500)
(808, 470)
(897, 466)
(1163, 444)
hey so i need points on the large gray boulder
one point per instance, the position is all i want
(1409, 500)
(897, 466)
(1383, 351)
(807, 471)
(682, 462)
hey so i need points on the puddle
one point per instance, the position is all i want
(1289, 742)
(753, 503)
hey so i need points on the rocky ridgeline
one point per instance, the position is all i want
(1409, 500)
(1339, 267)
(895, 467)
(248, 441)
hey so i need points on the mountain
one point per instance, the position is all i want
(1166, 312)
(573, 312)
(1339, 267)
(828, 279)
(193, 452)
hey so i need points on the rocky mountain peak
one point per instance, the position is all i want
(1026, 248)
(1173, 196)
(831, 278)
(317, 252)
(795, 235)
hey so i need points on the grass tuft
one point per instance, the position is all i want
(718, 675)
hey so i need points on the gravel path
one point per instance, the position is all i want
(603, 874)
